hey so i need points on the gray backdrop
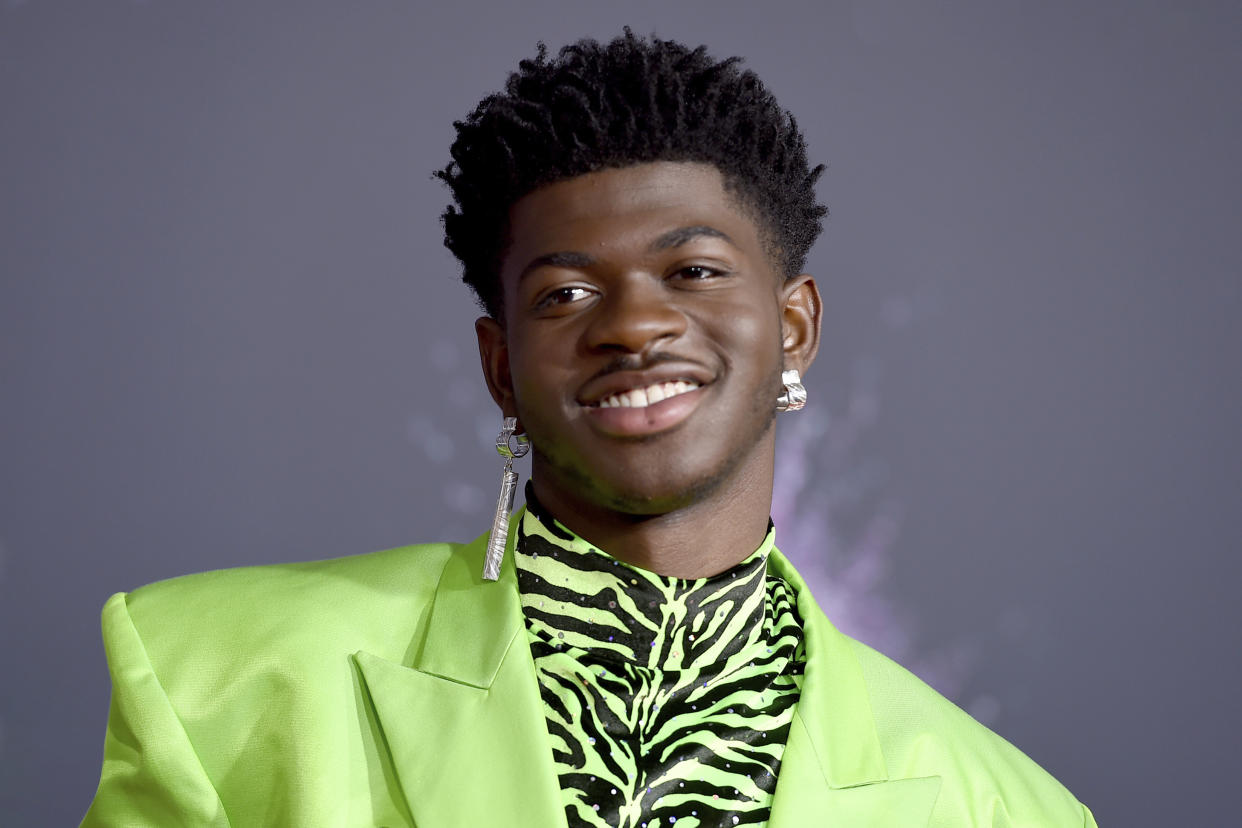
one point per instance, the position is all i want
(229, 334)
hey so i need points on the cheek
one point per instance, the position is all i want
(530, 362)
(750, 337)
(540, 386)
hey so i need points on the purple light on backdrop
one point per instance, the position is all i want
(832, 519)
(838, 522)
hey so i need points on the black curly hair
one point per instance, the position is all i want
(630, 101)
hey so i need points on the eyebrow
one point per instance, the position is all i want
(565, 258)
(667, 241)
(685, 235)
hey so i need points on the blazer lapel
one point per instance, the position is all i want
(464, 724)
(833, 770)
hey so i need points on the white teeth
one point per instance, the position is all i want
(643, 397)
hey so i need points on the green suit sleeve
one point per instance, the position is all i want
(151, 775)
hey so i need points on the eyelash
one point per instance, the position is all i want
(707, 272)
(557, 297)
(569, 294)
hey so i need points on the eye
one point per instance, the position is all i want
(698, 273)
(562, 296)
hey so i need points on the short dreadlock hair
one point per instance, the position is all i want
(634, 100)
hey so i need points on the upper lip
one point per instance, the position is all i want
(615, 382)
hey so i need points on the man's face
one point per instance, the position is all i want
(645, 331)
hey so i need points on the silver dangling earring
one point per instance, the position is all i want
(793, 397)
(504, 504)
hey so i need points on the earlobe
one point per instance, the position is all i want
(800, 319)
(494, 358)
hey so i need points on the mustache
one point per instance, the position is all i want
(639, 362)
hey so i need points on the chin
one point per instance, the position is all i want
(642, 496)
(647, 502)
(649, 477)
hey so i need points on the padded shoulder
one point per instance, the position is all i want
(234, 691)
(372, 602)
(986, 780)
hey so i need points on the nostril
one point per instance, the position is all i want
(634, 325)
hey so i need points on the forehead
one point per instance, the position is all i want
(617, 211)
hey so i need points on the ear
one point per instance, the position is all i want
(494, 355)
(800, 316)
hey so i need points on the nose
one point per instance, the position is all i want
(636, 314)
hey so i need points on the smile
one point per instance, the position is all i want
(650, 395)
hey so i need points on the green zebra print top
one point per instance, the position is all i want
(668, 701)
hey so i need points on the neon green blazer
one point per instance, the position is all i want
(397, 689)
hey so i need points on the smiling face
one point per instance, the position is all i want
(645, 331)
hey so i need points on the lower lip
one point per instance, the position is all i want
(641, 422)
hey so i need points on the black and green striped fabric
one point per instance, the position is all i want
(668, 701)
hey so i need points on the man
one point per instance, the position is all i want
(631, 649)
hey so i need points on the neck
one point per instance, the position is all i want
(697, 540)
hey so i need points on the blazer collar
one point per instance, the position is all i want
(465, 729)
(464, 722)
(833, 770)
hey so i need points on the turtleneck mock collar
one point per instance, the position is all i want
(637, 616)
